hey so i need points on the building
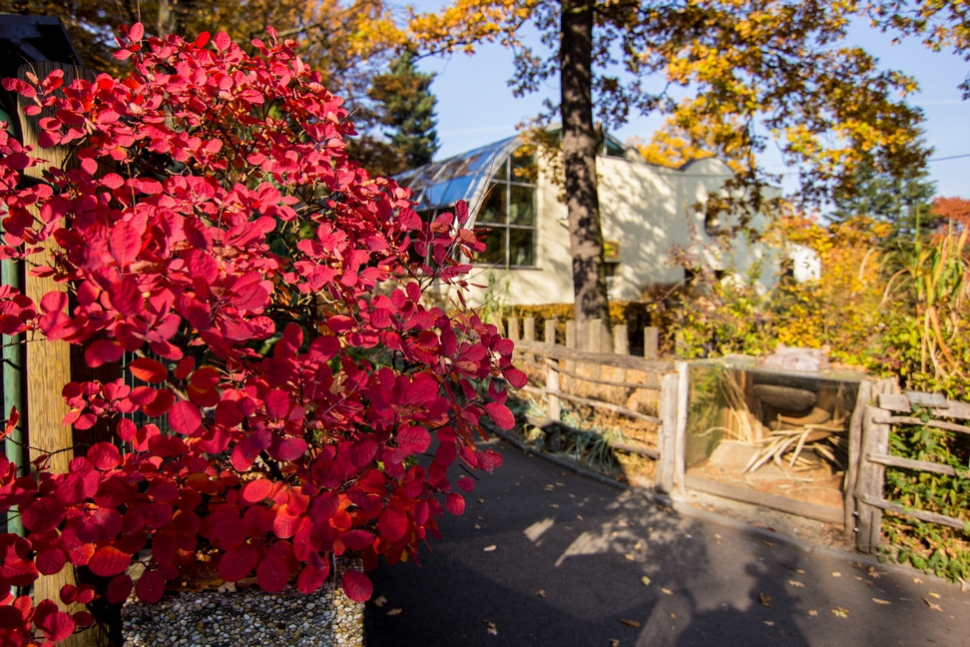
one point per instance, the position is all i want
(647, 211)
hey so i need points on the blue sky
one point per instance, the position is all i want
(476, 106)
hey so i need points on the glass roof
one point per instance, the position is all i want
(439, 185)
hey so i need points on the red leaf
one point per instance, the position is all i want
(184, 417)
(256, 491)
(413, 440)
(136, 31)
(55, 624)
(125, 243)
(393, 525)
(501, 415)
(357, 586)
(311, 579)
(42, 515)
(291, 449)
(515, 377)
(119, 589)
(357, 539)
(103, 351)
(150, 587)
(104, 456)
(50, 561)
(108, 561)
(237, 563)
(272, 573)
(221, 41)
(466, 484)
(455, 503)
(148, 370)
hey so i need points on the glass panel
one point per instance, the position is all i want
(524, 168)
(501, 170)
(522, 205)
(522, 247)
(493, 210)
(494, 240)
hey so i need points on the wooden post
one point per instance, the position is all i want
(621, 346)
(570, 365)
(529, 329)
(513, 332)
(553, 410)
(549, 330)
(680, 443)
(864, 398)
(872, 476)
(595, 344)
(666, 437)
(651, 337)
(48, 363)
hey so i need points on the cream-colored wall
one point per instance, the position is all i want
(647, 209)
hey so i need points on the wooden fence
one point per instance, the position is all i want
(571, 375)
(897, 409)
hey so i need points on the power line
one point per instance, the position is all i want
(951, 157)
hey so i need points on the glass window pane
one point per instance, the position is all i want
(522, 247)
(493, 210)
(524, 168)
(494, 240)
(501, 170)
(522, 205)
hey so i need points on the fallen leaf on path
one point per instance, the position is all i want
(767, 543)
(874, 573)
(836, 574)
(492, 629)
(796, 584)
(554, 506)
(380, 601)
(638, 545)
(916, 580)
(579, 517)
(812, 612)
(932, 605)
(934, 595)
(481, 500)
(765, 599)
(477, 527)
(489, 549)
(630, 557)
(667, 591)
(770, 623)
(673, 615)
(394, 612)
(630, 623)
(645, 580)
(614, 642)
(878, 601)
(541, 593)
(560, 484)
(841, 612)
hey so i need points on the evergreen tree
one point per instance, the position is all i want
(406, 105)
(895, 198)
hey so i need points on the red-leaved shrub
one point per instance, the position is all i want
(268, 296)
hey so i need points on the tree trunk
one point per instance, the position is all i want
(579, 164)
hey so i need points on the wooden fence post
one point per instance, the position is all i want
(621, 346)
(864, 398)
(570, 343)
(872, 476)
(667, 435)
(680, 444)
(651, 337)
(549, 331)
(513, 332)
(553, 410)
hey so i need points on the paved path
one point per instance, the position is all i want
(545, 556)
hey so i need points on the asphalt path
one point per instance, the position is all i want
(546, 556)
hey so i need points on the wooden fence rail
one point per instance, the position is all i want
(560, 367)
(875, 457)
